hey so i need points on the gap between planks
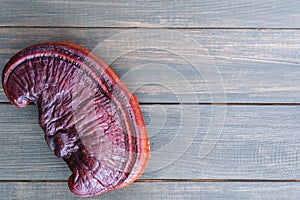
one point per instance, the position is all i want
(213, 104)
(167, 180)
(154, 27)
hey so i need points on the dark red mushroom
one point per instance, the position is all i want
(89, 117)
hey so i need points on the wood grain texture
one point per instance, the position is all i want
(151, 13)
(163, 191)
(202, 52)
(256, 142)
(203, 66)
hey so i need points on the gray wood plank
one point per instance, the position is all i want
(151, 13)
(159, 190)
(162, 65)
(187, 142)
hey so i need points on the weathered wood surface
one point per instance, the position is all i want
(199, 52)
(203, 66)
(160, 190)
(256, 142)
(151, 13)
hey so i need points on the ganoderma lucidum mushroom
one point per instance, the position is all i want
(90, 119)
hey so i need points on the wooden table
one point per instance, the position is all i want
(218, 83)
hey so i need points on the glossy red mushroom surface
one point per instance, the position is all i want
(90, 119)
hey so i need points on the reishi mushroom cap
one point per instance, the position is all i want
(89, 117)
